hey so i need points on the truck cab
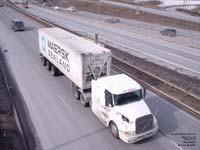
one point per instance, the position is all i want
(118, 102)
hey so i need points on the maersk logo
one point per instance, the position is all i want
(43, 40)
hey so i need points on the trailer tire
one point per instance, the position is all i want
(114, 130)
(76, 91)
(90, 103)
(54, 70)
(82, 99)
(43, 60)
(49, 65)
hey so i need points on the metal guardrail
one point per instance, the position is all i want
(153, 88)
(105, 42)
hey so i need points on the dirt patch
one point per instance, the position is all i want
(150, 4)
(10, 136)
(117, 11)
(194, 12)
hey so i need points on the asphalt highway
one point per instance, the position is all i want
(175, 56)
(174, 14)
(59, 121)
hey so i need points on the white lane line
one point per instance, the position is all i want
(67, 106)
(180, 110)
(28, 101)
(38, 68)
(170, 140)
(153, 56)
(174, 143)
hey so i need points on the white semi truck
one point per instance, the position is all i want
(117, 100)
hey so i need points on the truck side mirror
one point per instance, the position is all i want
(108, 98)
(144, 92)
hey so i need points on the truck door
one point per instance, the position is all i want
(106, 107)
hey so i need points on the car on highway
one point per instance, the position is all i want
(169, 32)
(56, 7)
(113, 20)
(17, 25)
(71, 9)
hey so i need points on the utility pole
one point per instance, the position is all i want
(99, 9)
(139, 4)
(25, 4)
(138, 7)
(186, 4)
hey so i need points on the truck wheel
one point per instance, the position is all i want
(48, 65)
(54, 70)
(114, 130)
(43, 60)
(82, 99)
(76, 91)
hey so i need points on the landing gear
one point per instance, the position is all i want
(49, 65)
(43, 60)
(76, 92)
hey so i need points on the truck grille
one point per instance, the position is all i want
(144, 124)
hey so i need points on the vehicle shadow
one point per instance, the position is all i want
(29, 28)
(165, 114)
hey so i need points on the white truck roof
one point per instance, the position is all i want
(118, 84)
(82, 45)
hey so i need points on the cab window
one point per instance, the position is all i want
(108, 98)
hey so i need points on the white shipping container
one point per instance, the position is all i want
(77, 58)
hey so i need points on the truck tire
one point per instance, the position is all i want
(114, 130)
(54, 70)
(48, 65)
(43, 60)
(82, 99)
(76, 91)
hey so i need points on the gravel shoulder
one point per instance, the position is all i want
(10, 135)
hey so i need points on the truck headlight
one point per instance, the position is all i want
(128, 133)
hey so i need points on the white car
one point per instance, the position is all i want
(72, 9)
(56, 8)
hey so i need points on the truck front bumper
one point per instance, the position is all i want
(132, 138)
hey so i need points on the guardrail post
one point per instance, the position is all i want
(96, 38)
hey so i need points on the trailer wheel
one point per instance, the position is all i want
(48, 65)
(82, 99)
(76, 91)
(43, 60)
(90, 103)
(54, 70)
(114, 130)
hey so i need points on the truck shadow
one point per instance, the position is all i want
(165, 114)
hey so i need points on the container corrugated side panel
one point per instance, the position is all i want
(73, 62)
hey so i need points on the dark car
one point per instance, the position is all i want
(169, 32)
(17, 25)
(1, 5)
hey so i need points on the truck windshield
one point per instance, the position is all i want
(126, 98)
